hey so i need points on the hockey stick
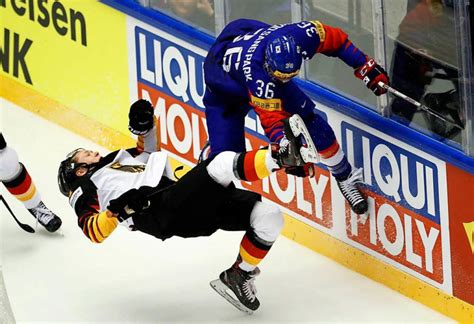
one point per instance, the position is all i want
(25, 227)
(418, 105)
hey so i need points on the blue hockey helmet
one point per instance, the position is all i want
(283, 58)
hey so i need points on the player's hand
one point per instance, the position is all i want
(371, 74)
(140, 117)
(303, 171)
(129, 203)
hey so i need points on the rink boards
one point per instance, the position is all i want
(418, 234)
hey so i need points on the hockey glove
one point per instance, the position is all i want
(371, 74)
(130, 202)
(140, 117)
(303, 171)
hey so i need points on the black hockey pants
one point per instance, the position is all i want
(194, 206)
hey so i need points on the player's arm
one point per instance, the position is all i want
(316, 37)
(149, 142)
(337, 44)
(95, 225)
(142, 122)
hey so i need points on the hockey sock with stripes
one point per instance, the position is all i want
(23, 188)
(254, 165)
(252, 251)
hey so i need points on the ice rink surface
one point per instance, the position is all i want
(133, 277)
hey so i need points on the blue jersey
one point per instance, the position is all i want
(235, 67)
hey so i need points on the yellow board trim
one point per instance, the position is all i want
(294, 229)
(66, 117)
(377, 270)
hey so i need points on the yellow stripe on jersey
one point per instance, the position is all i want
(99, 226)
(320, 30)
(266, 104)
(140, 144)
(150, 141)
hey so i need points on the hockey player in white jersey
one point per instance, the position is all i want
(17, 180)
(136, 188)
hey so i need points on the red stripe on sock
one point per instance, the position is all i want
(252, 249)
(330, 151)
(22, 187)
(249, 166)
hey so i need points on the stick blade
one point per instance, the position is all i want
(27, 228)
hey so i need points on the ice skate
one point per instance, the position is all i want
(46, 217)
(294, 128)
(286, 154)
(296, 148)
(351, 192)
(241, 283)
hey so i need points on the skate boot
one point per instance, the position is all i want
(296, 147)
(242, 285)
(295, 128)
(351, 192)
(286, 153)
(46, 217)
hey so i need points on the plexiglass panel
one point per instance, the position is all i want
(355, 18)
(269, 11)
(199, 13)
(423, 56)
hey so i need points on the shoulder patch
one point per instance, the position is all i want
(320, 29)
(266, 104)
(74, 196)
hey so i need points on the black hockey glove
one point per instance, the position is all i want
(303, 171)
(129, 203)
(140, 117)
(371, 74)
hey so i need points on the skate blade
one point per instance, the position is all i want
(222, 289)
(308, 152)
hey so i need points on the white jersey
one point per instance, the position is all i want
(120, 175)
(123, 170)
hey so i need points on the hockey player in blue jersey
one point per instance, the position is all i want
(251, 66)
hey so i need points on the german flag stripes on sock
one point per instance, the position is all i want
(251, 166)
(252, 251)
(23, 188)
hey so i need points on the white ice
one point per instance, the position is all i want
(133, 277)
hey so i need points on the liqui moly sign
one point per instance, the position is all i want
(407, 221)
(169, 73)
